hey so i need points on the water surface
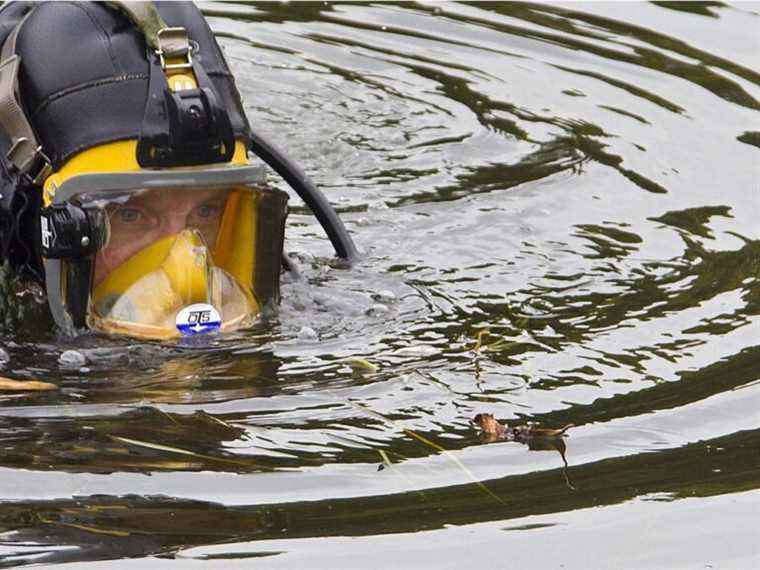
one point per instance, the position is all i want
(574, 184)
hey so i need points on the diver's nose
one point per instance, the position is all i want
(174, 222)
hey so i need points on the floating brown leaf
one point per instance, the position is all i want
(25, 385)
(536, 438)
(490, 428)
(530, 431)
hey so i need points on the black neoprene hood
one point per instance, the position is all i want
(84, 79)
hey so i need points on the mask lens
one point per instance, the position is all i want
(175, 253)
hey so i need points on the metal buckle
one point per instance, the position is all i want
(173, 42)
(35, 165)
(45, 170)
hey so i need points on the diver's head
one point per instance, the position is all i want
(126, 184)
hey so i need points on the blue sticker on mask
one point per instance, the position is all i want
(199, 318)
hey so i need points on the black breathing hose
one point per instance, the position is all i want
(309, 193)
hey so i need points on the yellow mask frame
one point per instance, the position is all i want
(258, 275)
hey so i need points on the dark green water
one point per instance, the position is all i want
(579, 180)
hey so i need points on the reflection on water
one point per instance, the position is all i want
(556, 205)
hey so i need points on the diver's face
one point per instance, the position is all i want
(155, 214)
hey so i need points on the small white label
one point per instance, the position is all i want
(199, 318)
(48, 237)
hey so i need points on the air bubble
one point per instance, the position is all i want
(307, 333)
(72, 358)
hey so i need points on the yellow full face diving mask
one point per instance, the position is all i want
(177, 256)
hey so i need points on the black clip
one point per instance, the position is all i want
(68, 231)
(186, 127)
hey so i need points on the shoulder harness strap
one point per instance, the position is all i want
(25, 153)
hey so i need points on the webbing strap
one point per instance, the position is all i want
(168, 43)
(25, 152)
(145, 16)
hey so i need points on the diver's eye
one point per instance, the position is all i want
(207, 211)
(129, 215)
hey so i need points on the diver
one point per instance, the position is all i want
(132, 187)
